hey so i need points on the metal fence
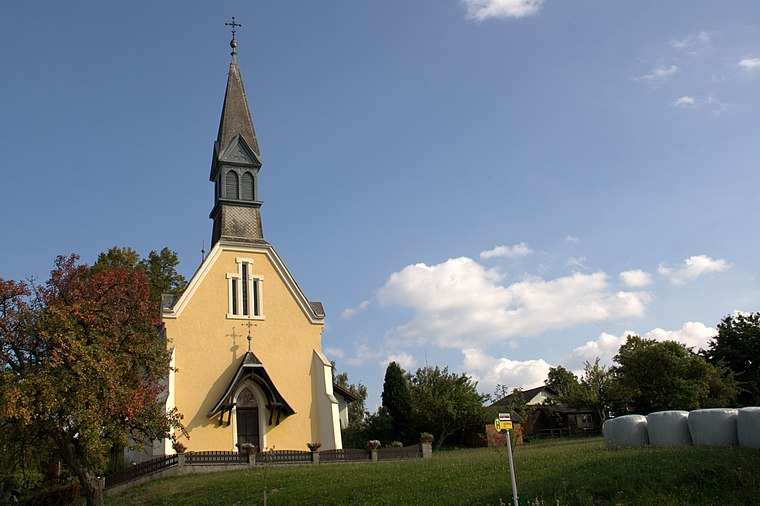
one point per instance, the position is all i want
(345, 455)
(141, 469)
(283, 456)
(215, 457)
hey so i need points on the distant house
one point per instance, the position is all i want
(548, 417)
(344, 397)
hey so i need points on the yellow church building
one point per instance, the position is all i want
(247, 361)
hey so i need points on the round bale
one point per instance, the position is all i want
(668, 428)
(713, 427)
(625, 431)
(748, 427)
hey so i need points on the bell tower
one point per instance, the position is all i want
(235, 165)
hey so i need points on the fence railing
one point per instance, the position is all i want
(141, 469)
(215, 457)
(345, 455)
(283, 456)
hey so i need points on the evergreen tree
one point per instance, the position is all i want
(397, 400)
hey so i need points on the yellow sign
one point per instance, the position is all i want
(501, 425)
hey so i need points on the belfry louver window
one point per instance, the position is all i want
(231, 186)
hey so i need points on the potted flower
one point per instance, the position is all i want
(314, 446)
(373, 444)
(179, 447)
(249, 448)
(426, 437)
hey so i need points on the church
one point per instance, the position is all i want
(247, 363)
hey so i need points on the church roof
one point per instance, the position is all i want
(236, 116)
(252, 369)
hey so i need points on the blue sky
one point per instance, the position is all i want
(497, 186)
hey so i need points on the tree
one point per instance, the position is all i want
(81, 360)
(597, 390)
(444, 403)
(357, 411)
(159, 267)
(661, 375)
(564, 383)
(397, 401)
(737, 346)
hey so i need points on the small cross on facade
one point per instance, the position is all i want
(249, 324)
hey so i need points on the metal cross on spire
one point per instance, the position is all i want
(233, 42)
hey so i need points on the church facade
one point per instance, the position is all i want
(247, 361)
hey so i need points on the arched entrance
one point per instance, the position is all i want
(247, 419)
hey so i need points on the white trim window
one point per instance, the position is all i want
(244, 292)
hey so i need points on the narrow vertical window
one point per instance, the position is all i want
(234, 296)
(231, 186)
(255, 287)
(247, 186)
(245, 283)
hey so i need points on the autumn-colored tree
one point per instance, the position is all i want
(81, 363)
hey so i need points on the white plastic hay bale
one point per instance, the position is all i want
(713, 427)
(625, 431)
(748, 427)
(668, 428)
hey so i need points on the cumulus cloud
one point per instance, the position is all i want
(403, 359)
(480, 10)
(693, 334)
(516, 251)
(353, 311)
(490, 371)
(692, 268)
(460, 302)
(750, 63)
(685, 101)
(635, 278)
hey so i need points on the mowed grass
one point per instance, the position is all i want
(557, 472)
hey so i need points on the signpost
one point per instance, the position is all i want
(504, 422)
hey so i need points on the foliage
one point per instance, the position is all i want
(737, 346)
(397, 401)
(511, 402)
(357, 412)
(661, 375)
(445, 403)
(562, 381)
(560, 471)
(81, 360)
(160, 268)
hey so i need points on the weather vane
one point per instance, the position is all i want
(233, 42)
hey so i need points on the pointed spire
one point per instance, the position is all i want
(236, 115)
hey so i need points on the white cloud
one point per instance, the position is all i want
(572, 239)
(334, 353)
(750, 63)
(480, 10)
(692, 268)
(490, 371)
(459, 302)
(685, 101)
(353, 311)
(577, 262)
(403, 359)
(693, 334)
(635, 278)
(690, 43)
(659, 73)
(516, 251)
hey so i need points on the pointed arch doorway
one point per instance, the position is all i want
(247, 419)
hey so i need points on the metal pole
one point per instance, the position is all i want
(515, 501)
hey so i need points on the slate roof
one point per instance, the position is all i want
(236, 115)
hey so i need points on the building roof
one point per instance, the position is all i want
(345, 393)
(527, 395)
(236, 115)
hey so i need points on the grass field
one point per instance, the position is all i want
(556, 472)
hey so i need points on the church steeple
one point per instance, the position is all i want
(235, 165)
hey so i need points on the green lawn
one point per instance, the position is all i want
(564, 472)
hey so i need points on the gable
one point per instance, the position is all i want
(312, 311)
(238, 151)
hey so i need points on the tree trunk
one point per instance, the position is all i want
(93, 494)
